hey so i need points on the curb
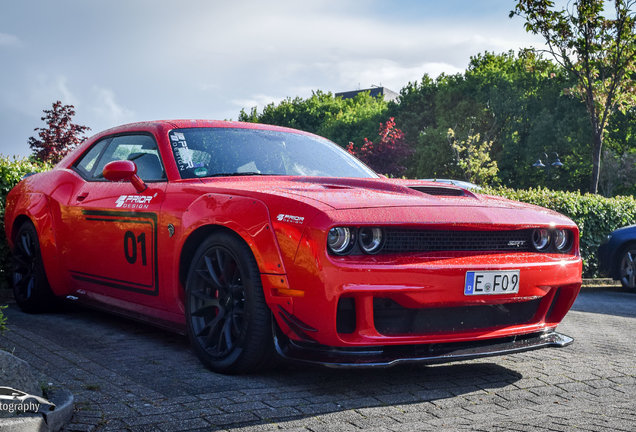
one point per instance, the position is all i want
(63, 400)
(600, 283)
(51, 421)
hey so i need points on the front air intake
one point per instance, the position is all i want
(439, 190)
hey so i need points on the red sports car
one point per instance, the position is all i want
(256, 240)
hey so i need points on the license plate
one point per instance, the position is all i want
(491, 282)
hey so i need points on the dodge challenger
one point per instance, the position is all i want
(261, 242)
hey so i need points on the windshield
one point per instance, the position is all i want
(210, 152)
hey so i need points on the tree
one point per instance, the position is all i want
(598, 51)
(340, 120)
(388, 155)
(516, 101)
(425, 113)
(530, 116)
(618, 174)
(473, 158)
(60, 136)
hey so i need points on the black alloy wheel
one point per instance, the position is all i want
(30, 286)
(229, 324)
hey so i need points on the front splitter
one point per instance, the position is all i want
(387, 356)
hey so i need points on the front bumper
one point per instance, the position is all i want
(387, 356)
(420, 300)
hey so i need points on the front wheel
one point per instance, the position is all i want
(627, 267)
(30, 286)
(229, 324)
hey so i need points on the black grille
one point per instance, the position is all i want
(392, 319)
(404, 240)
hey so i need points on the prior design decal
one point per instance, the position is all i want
(183, 155)
(290, 218)
(134, 201)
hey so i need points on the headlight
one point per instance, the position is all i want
(370, 239)
(540, 239)
(561, 240)
(340, 240)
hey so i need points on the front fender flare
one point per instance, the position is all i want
(247, 217)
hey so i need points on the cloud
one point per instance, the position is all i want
(8, 40)
(44, 90)
(352, 75)
(364, 73)
(209, 59)
(258, 100)
(251, 53)
(106, 110)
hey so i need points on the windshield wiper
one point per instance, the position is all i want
(236, 174)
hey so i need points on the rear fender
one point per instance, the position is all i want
(36, 207)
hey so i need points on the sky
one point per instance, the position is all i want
(121, 61)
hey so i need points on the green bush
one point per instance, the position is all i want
(3, 320)
(12, 170)
(595, 215)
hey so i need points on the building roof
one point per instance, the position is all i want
(389, 95)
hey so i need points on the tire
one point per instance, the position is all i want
(31, 288)
(228, 321)
(627, 266)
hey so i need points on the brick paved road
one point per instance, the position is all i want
(126, 375)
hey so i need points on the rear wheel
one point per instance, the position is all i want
(229, 324)
(30, 286)
(627, 266)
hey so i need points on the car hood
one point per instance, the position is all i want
(625, 230)
(351, 193)
(344, 194)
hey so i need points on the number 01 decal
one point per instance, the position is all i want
(135, 270)
(130, 247)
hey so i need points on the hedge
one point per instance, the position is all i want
(12, 170)
(595, 215)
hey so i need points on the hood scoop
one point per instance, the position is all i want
(335, 186)
(440, 190)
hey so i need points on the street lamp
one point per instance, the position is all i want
(556, 164)
(548, 166)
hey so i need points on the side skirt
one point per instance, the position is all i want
(164, 324)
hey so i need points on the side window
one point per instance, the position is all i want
(141, 149)
(87, 162)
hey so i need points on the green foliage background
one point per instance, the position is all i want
(596, 216)
(11, 172)
(340, 120)
(519, 101)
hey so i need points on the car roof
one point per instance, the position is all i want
(195, 123)
(160, 127)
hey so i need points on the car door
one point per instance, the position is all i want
(111, 228)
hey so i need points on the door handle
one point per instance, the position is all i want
(81, 196)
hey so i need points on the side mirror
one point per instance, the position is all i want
(124, 170)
